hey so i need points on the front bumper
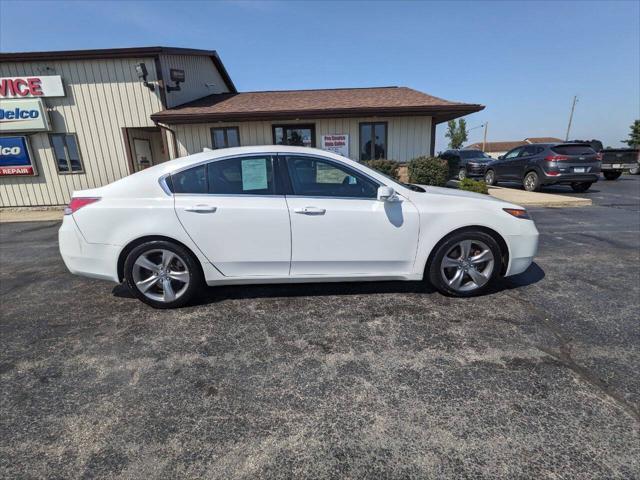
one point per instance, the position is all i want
(93, 260)
(522, 250)
(475, 170)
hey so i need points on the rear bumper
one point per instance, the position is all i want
(94, 260)
(569, 178)
(618, 166)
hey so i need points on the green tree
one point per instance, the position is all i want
(457, 134)
(634, 135)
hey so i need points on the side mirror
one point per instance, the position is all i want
(387, 194)
(501, 157)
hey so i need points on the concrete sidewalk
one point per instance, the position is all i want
(537, 199)
(31, 214)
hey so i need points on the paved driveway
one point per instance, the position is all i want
(389, 380)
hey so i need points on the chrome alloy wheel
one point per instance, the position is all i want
(530, 182)
(467, 266)
(161, 275)
(489, 177)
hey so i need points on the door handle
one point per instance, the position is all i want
(310, 211)
(201, 209)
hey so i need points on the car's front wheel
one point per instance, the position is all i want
(580, 187)
(465, 264)
(634, 170)
(611, 175)
(162, 274)
(490, 178)
(462, 174)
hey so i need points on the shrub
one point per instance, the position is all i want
(428, 171)
(473, 186)
(388, 167)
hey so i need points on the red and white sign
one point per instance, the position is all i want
(4, 171)
(31, 86)
(336, 143)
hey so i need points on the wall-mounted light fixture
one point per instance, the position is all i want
(141, 70)
(176, 76)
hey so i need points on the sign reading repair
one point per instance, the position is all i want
(31, 86)
(336, 143)
(26, 115)
(15, 157)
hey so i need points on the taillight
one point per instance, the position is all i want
(553, 174)
(556, 158)
(518, 213)
(78, 202)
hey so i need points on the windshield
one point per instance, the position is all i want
(467, 154)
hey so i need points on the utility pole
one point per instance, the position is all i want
(573, 107)
(484, 141)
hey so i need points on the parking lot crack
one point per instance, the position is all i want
(563, 354)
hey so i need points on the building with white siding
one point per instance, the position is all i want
(72, 120)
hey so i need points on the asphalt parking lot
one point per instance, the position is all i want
(539, 379)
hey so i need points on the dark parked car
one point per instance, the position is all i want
(576, 164)
(470, 163)
(617, 160)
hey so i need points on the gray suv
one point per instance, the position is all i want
(575, 164)
(469, 163)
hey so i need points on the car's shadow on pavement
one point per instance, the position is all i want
(235, 292)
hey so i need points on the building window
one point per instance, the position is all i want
(65, 148)
(298, 135)
(373, 140)
(225, 137)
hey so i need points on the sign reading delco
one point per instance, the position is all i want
(15, 157)
(337, 143)
(32, 86)
(27, 115)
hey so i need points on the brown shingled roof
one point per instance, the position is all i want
(496, 146)
(543, 140)
(290, 104)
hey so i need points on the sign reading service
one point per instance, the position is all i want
(32, 86)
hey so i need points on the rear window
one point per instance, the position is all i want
(573, 150)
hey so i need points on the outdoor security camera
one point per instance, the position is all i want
(141, 70)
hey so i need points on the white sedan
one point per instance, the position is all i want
(279, 214)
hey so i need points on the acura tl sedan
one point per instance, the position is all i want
(280, 214)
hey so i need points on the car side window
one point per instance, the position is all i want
(237, 176)
(529, 151)
(323, 178)
(513, 153)
(193, 180)
(233, 176)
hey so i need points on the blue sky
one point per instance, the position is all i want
(523, 60)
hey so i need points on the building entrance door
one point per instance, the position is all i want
(145, 148)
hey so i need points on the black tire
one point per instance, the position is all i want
(611, 175)
(435, 274)
(580, 187)
(462, 174)
(531, 182)
(193, 271)
(490, 177)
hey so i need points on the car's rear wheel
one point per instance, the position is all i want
(490, 178)
(581, 186)
(531, 182)
(634, 170)
(162, 274)
(462, 174)
(465, 264)
(611, 175)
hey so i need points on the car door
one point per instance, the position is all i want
(519, 164)
(508, 167)
(339, 228)
(233, 212)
